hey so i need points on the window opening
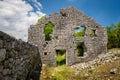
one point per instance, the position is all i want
(80, 49)
(48, 29)
(79, 31)
(45, 53)
(92, 33)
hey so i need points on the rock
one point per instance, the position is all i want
(1, 69)
(1, 43)
(77, 73)
(44, 71)
(113, 71)
(2, 54)
(5, 72)
(19, 60)
(86, 75)
(101, 59)
(1, 77)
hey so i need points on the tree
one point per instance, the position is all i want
(113, 32)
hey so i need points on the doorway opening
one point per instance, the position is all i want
(60, 57)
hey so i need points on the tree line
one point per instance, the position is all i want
(113, 32)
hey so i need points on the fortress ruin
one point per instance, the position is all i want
(93, 42)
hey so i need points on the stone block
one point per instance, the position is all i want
(2, 54)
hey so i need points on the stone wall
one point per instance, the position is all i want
(18, 60)
(64, 29)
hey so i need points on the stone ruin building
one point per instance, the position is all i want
(62, 37)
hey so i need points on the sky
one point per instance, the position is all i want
(16, 16)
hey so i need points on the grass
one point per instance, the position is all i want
(99, 73)
(104, 70)
(64, 72)
(59, 73)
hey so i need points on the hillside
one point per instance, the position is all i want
(105, 67)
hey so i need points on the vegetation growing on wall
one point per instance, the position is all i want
(61, 57)
(92, 33)
(40, 19)
(48, 29)
(113, 33)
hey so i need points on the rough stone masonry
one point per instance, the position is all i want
(18, 60)
(94, 40)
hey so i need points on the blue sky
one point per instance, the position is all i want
(16, 16)
(104, 12)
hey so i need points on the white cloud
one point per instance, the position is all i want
(17, 15)
(37, 5)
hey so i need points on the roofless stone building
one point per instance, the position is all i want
(62, 37)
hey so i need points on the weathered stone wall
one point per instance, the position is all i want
(18, 60)
(64, 28)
